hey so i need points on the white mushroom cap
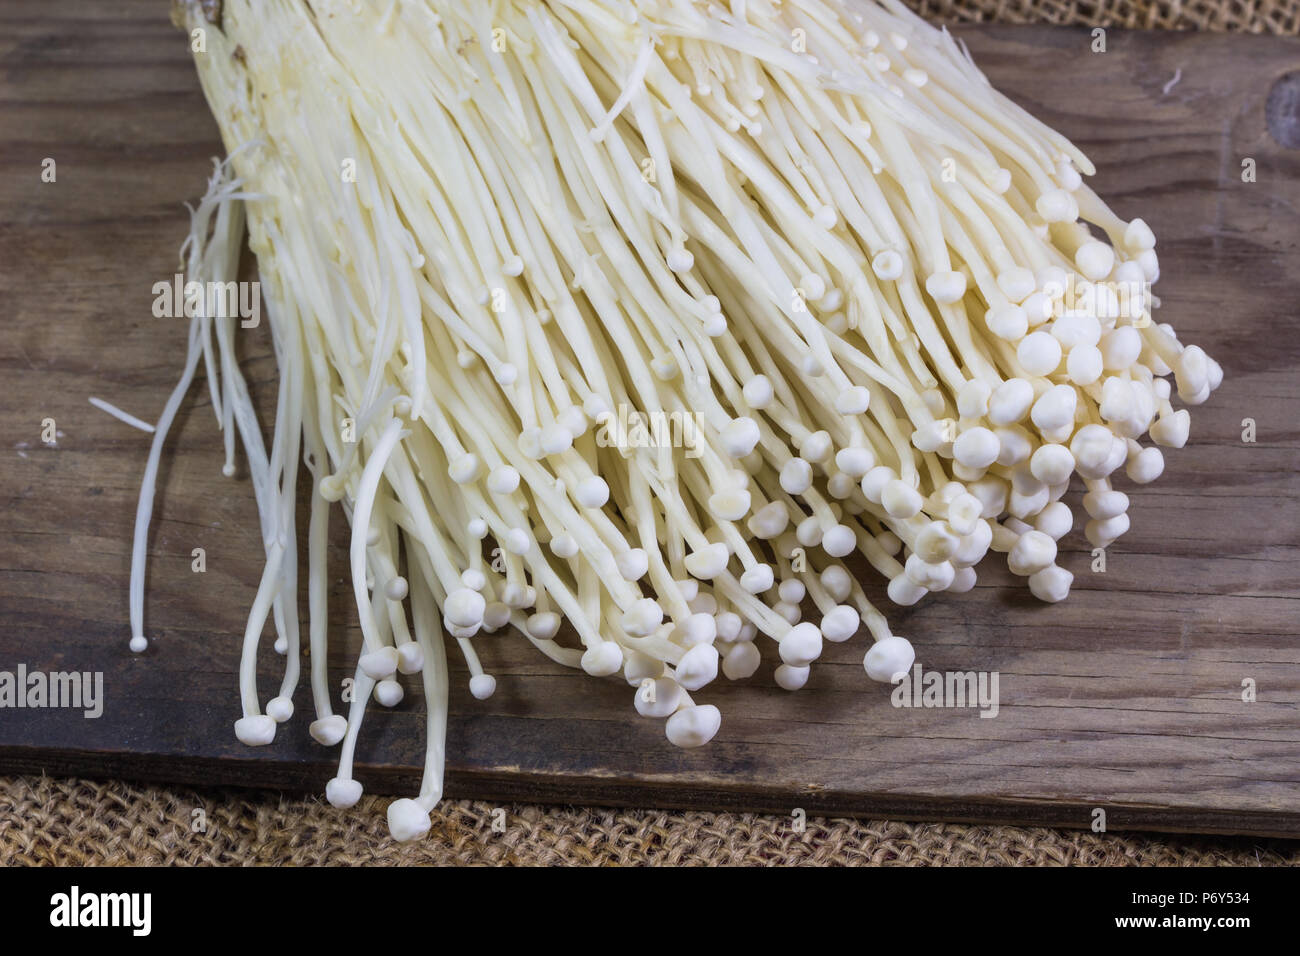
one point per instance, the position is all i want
(758, 392)
(1039, 353)
(791, 678)
(698, 667)
(839, 541)
(900, 499)
(328, 731)
(1055, 408)
(603, 659)
(407, 820)
(889, 657)
(801, 645)
(928, 576)
(792, 590)
(946, 287)
(874, 482)
(1033, 552)
(638, 667)
(853, 400)
(740, 661)
(1057, 205)
(796, 476)
(1075, 328)
(592, 492)
(840, 623)
(1010, 402)
(1121, 347)
(837, 582)
(855, 462)
(1055, 520)
(1084, 364)
(976, 447)
(1172, 430)
(257, 730)
(739, 437)
(758, 579)
(642, 617)
(1105, 504)
(1095, 259)
(1051, 584)
(887, 265)
(1146, 465)
(463, 608)
(963, 580)
(905, 592)
(380, 663)
(708, 562)
(657, 698)
(343, 793)
(1017, 283)
(1101, 533)
(693, 726)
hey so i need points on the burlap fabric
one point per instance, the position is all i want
(44, 821)
(1254, 16)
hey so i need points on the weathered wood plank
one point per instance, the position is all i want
(1128, 696)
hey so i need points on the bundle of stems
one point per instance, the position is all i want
(645, 316)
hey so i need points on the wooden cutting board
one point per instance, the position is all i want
(1127, 698)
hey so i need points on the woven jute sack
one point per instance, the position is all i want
(1265, 16)
(78, 822)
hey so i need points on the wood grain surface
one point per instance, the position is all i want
(1128, 697)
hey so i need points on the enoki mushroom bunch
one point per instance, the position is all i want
(646, 316)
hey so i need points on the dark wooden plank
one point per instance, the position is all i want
(1126, 697)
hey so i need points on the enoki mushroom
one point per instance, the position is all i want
(644, 317)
